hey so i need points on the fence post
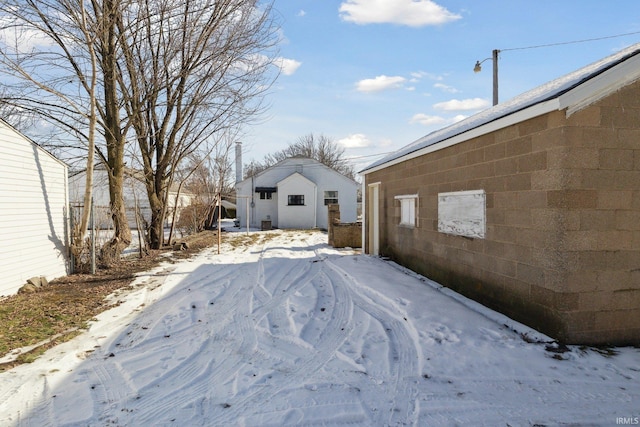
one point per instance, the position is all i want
(72, 225)
(93, 239)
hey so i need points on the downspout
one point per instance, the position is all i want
(315, 211)
(253, 204)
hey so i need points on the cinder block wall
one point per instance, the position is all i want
(562, 247)
(347, 235)
(343, 235)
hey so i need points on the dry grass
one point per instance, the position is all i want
(58, 310)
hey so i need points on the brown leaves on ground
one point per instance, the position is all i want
(68, 303)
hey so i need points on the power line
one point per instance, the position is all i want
(571, 42)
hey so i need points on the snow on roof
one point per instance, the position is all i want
(545, 92)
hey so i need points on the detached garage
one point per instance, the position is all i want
(33, 212)
(531, 207)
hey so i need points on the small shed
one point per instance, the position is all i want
(33, 212)
(531, 207)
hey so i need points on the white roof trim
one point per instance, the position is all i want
(573, 92)
(406, 196)
(601, 86)
(520, 116)
(295, 176)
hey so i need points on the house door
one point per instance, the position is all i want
(373, 213)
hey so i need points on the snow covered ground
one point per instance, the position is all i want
(288, 331)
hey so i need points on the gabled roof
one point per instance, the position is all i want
(529, 104)
(296, 176)
(306, 161)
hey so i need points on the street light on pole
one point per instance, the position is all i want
(478, 68)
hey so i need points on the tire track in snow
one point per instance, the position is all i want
(275, 307)
(239, 337)
(334, 334)
(404, 346)
(185, 376)
(192, 380)
(395, 409)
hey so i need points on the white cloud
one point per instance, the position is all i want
(463, 105)
(302, 13)
(445, 88)
(427, 120)
(380, 83)
(22, 39)
(288, 66)
(357, 140)
(414, 13)
(423, 74)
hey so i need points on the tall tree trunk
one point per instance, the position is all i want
(156, 227)
(81, 229)
(114, 139)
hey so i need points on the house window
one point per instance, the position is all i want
(266, 195)
(408, 204)
(330, 198)
(296, 200)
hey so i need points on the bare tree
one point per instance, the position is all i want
(194, 68)
(54, 53)
(204, 175)
(208, 178)
(170, 74)
(320, 148)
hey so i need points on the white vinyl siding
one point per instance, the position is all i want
(297, 204)
(33, 209)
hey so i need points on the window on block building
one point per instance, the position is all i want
(408, 208)
(330, 198)
(296, 200)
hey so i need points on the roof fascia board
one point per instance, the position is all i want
(601, 86)
(501, 123)
(295, 176)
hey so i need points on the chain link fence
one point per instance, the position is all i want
(99, 230)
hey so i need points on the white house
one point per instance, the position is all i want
(33, 212)
(294, 194)
(135, 195)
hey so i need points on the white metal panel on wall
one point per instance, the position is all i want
(462, 213)
(33, 212)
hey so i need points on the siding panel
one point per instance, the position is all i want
(33, 206)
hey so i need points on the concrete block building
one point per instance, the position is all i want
(531, 207)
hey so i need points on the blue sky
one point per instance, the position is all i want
(375, 75)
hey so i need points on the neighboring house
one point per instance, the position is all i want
(294, 193)
(135, 195)
(531, 207)
(33, 212)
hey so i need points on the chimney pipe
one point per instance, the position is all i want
(238, 161)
